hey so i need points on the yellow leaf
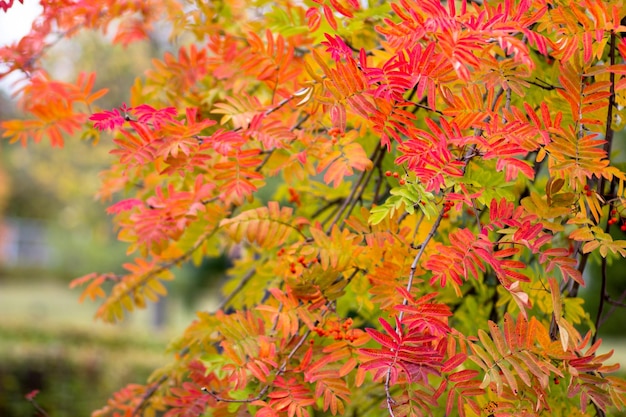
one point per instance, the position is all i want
(590, 246)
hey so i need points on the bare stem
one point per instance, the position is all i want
(602, 299)
(353, 192)
(39, 409)
(148, 394)
(417, 258)
(246, 278)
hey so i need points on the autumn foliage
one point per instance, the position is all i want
(414, 190)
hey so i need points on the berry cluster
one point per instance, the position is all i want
(616, 218)
(338, 331)
(293, 266)
(335, 131)
(587, 191)
(446, 208)
(395, 175)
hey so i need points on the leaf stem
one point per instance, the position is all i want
(417, 258)
(148, 394)
(602, 299)
(246, 278)
(352, 195)
(39, 409)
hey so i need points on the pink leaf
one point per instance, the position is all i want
(148, 114)
(124, 205)
(337, 48)
(108, 119)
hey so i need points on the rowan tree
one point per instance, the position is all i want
(410, 193)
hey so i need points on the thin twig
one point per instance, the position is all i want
(422, 106)
(608, 128)
(418, 223)
(602, 299)
(608, 136)
(39, 409)
(246, 278)
(617, 303)
(390, 399)
(148, 394)
(475, 210)
(264, 161)
(229, 400)
(162, 267)
(378, 158)
(326, 206)
(349, 198)
(417, 258)
(266, 388)
(545, 86)
(431, 234)
(507, 104)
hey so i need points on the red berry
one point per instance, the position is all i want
(623, 228)
(402, 182)
(388, 173)
(396, 175)
(335, 131)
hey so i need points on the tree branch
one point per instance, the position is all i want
(246, 278)
(148, 394)
(417, 258)
(353, 192)
(379, 159)
(602, 298)
(35, 404)
(431, 234)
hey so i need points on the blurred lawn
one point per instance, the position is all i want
(54, 303)
(49, 341)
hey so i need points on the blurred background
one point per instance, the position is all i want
(52, 230)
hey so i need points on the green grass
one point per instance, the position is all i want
(53, 303)
(50, 341)
(75, 368)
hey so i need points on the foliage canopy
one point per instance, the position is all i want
(439, 175)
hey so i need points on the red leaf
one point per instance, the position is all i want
(337, 48)
(107, 119)
(124, 205)
(148, 114)
(328, 13)
(31, 395)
